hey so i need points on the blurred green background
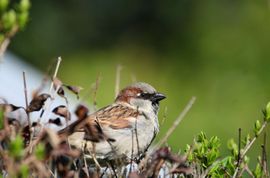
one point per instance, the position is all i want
(218, 51)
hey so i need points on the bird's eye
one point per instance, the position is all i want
(143, 95)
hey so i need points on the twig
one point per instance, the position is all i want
(176, 122)
(103, 172)
(113, 169)
(55, 72)
(239, 154)
(239, 145)
(95, 92)
(170, 131)
(132, 151)
(5, 43)
(248, 146)
(26, 100)
(3, 47)
(85, 165)
(50, 171)
(249, 171)
(133, 78)
(47, 104)
(164, 115)
(137, 139)
(117, 80)
(264, 157)
(93, 155)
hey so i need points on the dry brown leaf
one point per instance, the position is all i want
(74, 89)
(56, 121)
(81, 111)
(10, 107)
(37, 103)
(57, 83)
(62, 111)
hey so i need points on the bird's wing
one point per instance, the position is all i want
(115, 116)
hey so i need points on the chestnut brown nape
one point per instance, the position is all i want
(127, 93)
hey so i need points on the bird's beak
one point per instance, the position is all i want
(157, 97)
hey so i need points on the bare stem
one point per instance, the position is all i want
(164, 115)
(26, 99)
(239, 154)
(3, 46)
(176, 122)
(56, 71)
(117, 80)
(264, 157)
(6, 41)
(248, 146)
(95, 92)
(47, 104)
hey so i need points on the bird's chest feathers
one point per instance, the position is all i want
(145, 129)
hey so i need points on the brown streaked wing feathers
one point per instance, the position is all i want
(114, 116)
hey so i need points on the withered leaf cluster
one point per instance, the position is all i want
(37, 151)
(37, 102)
(59, 87)
(158, 161)
(34, 150)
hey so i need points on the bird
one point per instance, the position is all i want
(123, 129)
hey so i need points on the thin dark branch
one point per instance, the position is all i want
(239, 154)
(248, 146)
(132, 151)
(95, 92)
(103, 172)
(264, 157)
(137, 139)
(239, 146)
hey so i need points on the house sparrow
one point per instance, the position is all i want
(124, 129)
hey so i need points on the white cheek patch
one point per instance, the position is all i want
(141, 104)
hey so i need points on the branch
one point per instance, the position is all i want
(247, 147)
(176, 122)
(117, 80)
(55, 72)
(26, 99)
(6, 41)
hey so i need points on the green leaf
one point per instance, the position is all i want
(267, 112)
(247, 140)
(258, 171)
(201, 137)
(22, 19)
(2, 37)
(1, 118)
(24, 171)
(257, 127)
(24, 5)
(16, 147)
(40, 151)
(3, 5)
(246, 159)
(9, 19)
(232, 146)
